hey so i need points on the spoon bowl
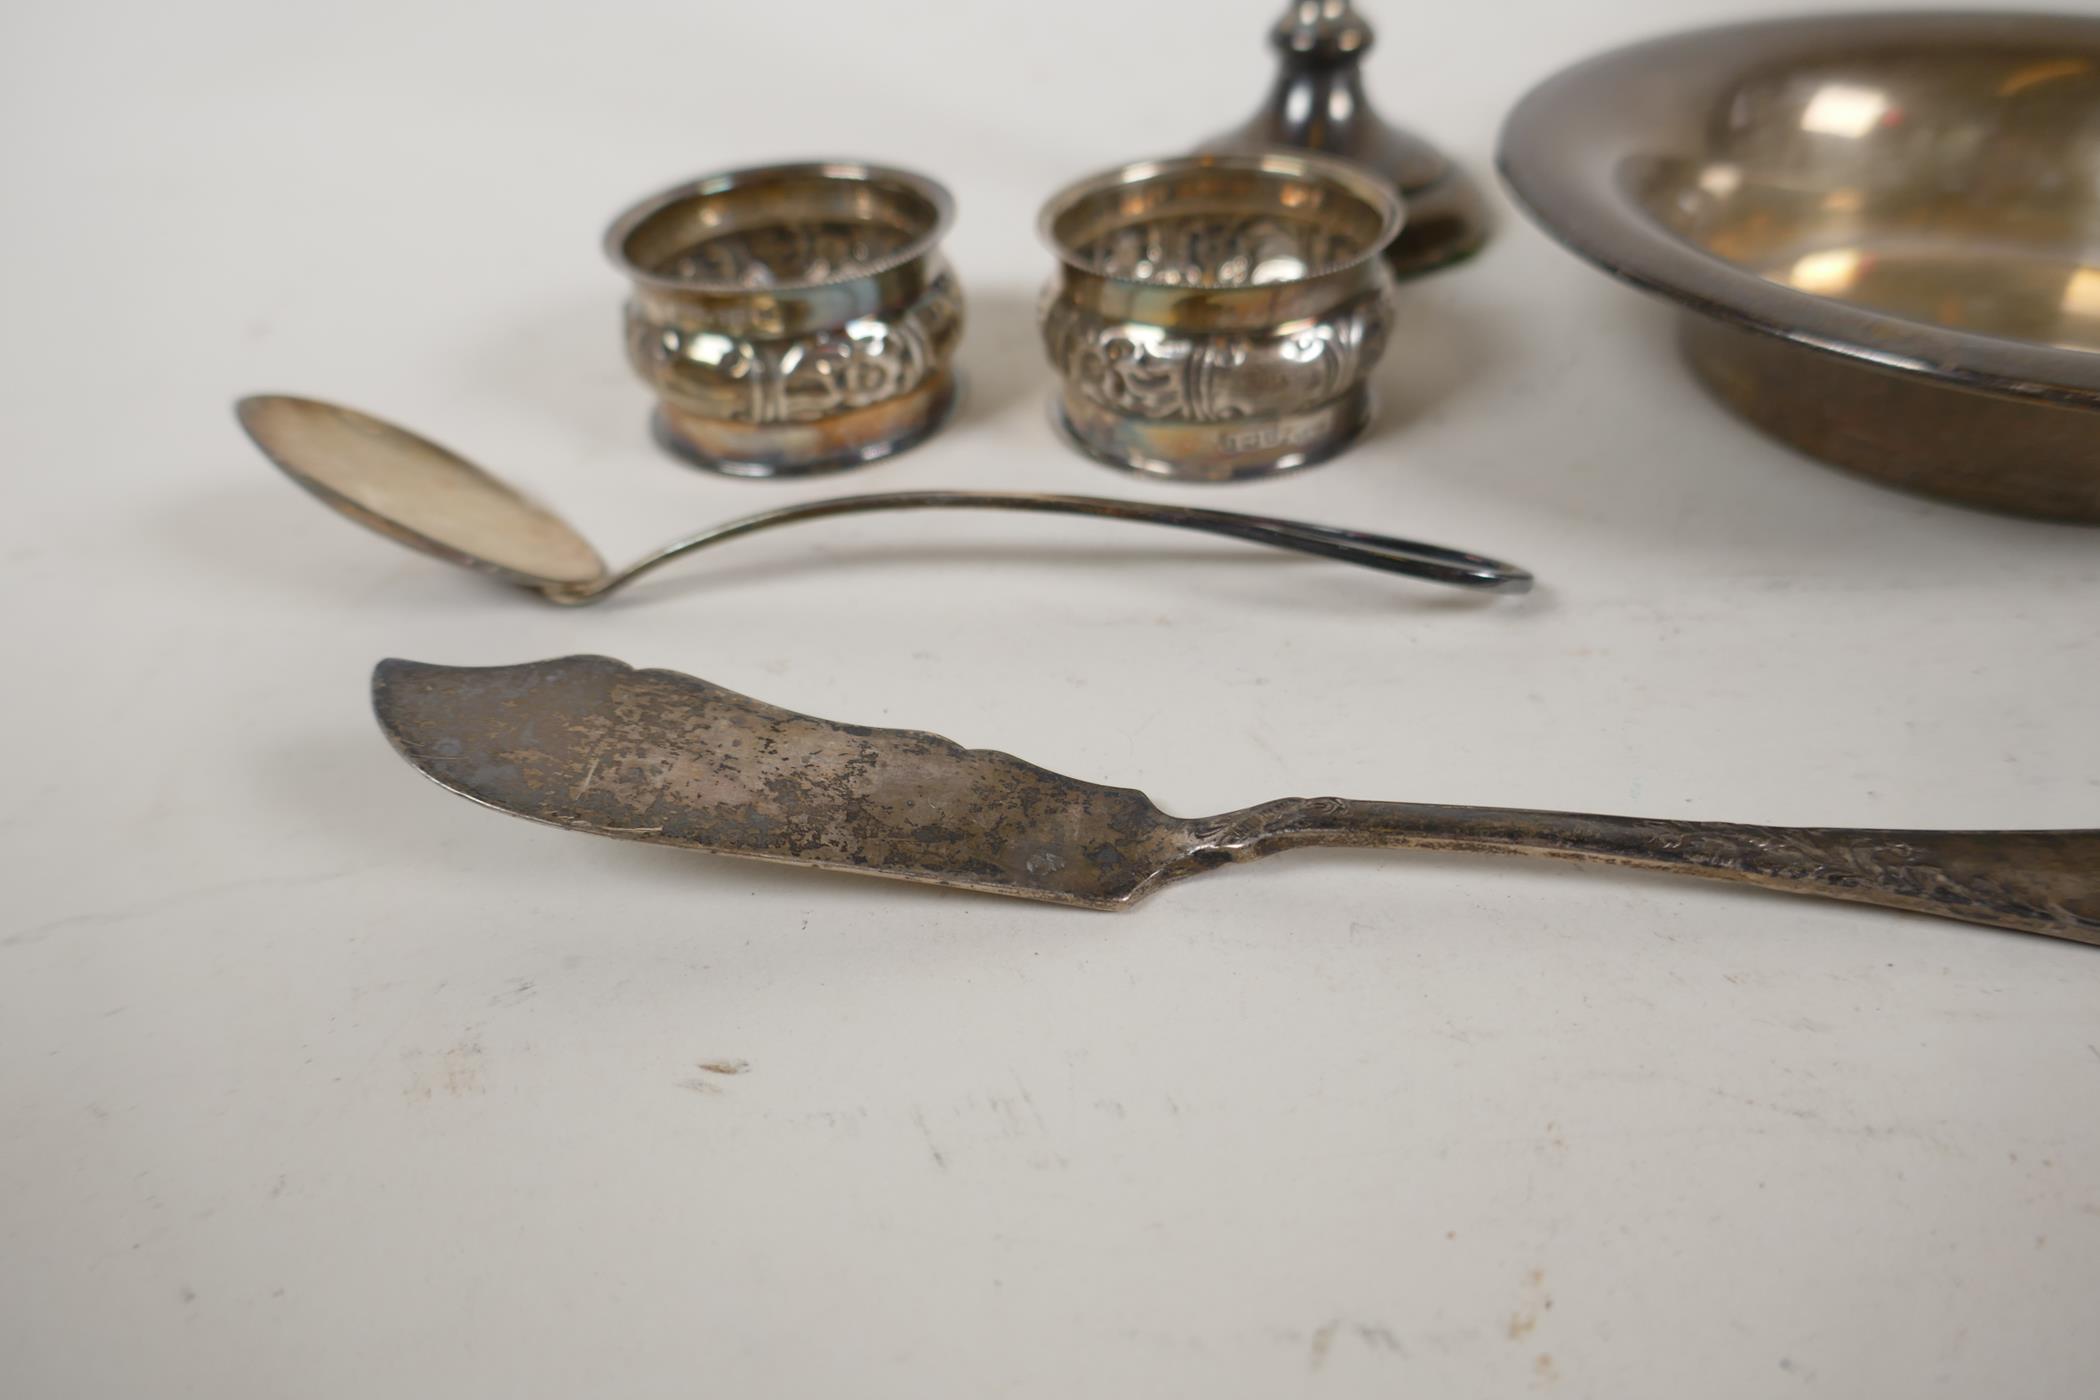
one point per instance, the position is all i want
(411, 490)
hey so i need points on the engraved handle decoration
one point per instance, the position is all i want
(2045, 882)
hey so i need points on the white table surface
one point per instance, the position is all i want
(317, 1081)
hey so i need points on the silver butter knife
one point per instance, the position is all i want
(592, 744)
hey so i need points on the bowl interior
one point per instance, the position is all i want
(1956, 185)
(781, 229)
(1220, 225)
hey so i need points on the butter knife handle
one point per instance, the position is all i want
(2045, 882)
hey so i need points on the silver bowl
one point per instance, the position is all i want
(792, 318)
(1885, 230)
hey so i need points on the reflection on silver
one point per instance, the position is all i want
(1216, 317)
(1916, 196)
(1317, 103)
(1840, 109)
(792, 318)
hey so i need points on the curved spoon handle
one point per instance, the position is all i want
(1416, 560)
(2045, 882)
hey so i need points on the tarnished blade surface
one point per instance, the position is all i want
(590, 743)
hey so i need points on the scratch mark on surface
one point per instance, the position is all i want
(1532, 1302)
(1381, 1338)
(1374, 1336)
(1041, 1127)
(102, 918)
(456, 1073)
(588, 774)
(726, 1066)
(1322, 1340)
(940, 1158)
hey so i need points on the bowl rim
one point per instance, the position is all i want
(1567, 180)
(1359, 180)
(630, 220)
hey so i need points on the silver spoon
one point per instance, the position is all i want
(433, 500)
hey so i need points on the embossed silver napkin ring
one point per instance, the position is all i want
(792, 318)
(1217, 317)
